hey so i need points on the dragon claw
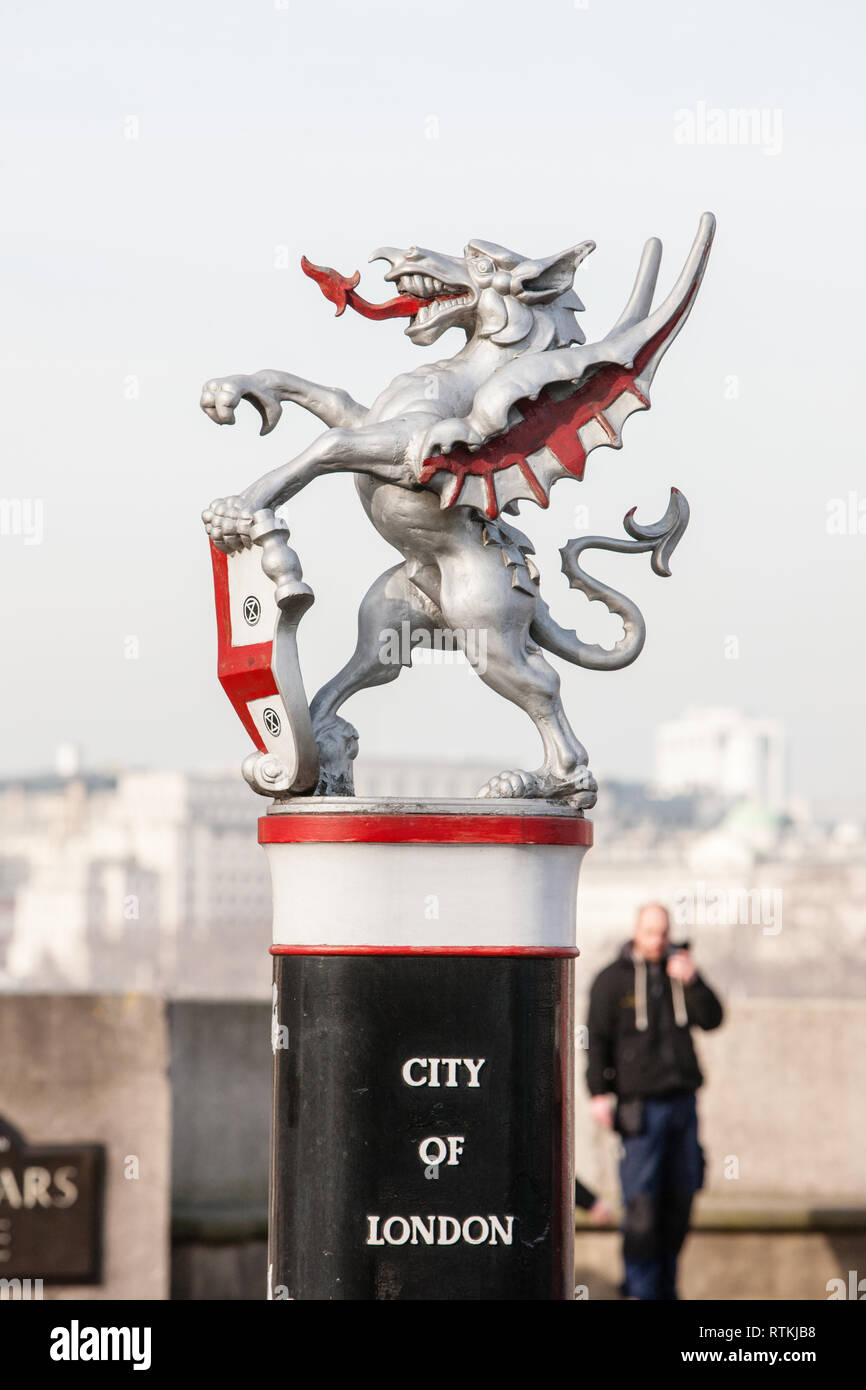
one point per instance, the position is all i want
(578, 789)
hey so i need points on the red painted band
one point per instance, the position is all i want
(546, 952)
(423, 829)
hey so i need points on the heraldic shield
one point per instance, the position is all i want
(260, 599)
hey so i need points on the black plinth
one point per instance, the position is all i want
(376, 1054)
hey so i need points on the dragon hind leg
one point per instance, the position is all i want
(526, 678)
(509, 662)
(483, 594)
(391, 612)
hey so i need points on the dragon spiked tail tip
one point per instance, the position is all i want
(662, 536)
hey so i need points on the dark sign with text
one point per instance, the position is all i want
(421, 1149)
(51, 1200)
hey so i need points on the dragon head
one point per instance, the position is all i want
(489, 291)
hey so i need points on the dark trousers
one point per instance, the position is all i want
(661, 1169)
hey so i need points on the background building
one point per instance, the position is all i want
(147, 881)
(722, 751)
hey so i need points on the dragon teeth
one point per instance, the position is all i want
(423, 286)
(426, 311)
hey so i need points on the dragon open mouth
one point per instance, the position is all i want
(434, 296)
(420, 298)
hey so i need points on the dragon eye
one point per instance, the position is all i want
(482, 264)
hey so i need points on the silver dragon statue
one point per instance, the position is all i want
(440, 455)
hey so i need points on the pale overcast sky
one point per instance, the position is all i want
(165, 165)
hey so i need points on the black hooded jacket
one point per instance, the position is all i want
(639, 1021)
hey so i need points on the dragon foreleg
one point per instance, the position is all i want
(661, 537)
(267, 390)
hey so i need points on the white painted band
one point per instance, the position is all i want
(425, 895)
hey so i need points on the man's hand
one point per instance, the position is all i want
(600, 1214)
(602, 1111)
(681, 967)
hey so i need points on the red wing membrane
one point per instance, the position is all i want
(610, 391)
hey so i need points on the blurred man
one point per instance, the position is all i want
(641, 1010)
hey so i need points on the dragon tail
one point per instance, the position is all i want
(661, 538)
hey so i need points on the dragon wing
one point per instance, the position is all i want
(541, 415)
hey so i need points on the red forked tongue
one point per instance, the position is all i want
(340, 289)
